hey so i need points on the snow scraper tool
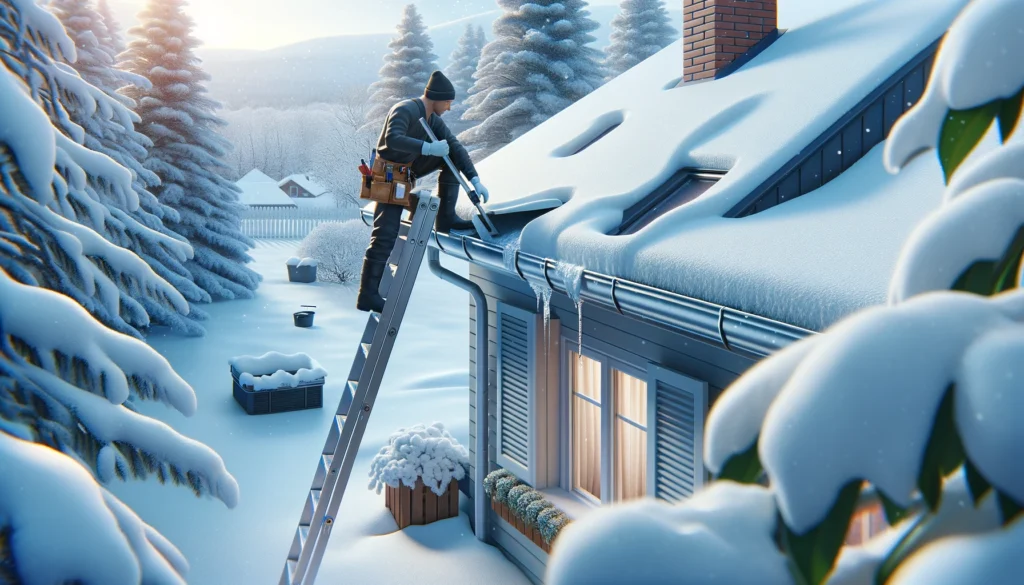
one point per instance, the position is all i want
(323, 501)
(491, 230)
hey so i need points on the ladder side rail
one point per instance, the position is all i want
(319, 532)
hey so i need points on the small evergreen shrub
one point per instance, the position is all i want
(502, 487)
(524, 500)
(492, 478)
(550, 525)
(534, 509)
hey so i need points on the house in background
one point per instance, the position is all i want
(261, 192)
(715, 203)
(302, 186)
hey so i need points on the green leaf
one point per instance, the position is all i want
(977, 485)
(902, 549)
(894, 513)
(814, 552)
(1009, 264)
(961, 132)
(943, 454)
(1009, 114)
(977, 279)
(1009, 509)
(743, 468)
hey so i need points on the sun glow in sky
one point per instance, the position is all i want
(264, 24)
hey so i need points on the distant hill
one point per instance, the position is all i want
(319, 70)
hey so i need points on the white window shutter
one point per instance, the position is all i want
(522, 380)
(677, 406)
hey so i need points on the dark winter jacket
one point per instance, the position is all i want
(401, 139)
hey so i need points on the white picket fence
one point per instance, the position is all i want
(291, 223)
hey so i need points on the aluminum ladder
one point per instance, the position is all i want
(342, 445)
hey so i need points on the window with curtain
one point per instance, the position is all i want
(630, 436)
(585, 388)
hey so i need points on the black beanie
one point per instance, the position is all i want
(439, 88)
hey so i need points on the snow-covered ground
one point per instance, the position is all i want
(273, 457)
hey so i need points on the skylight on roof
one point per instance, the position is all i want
(682, 188)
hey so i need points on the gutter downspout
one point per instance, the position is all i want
(479, 511)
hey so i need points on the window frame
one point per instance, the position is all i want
(609, 360)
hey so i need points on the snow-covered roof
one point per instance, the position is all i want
(259, 192)
(256, 176)
(307, 182)
(807, 262)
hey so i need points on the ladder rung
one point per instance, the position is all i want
(311, 501)
(366, 349)
(353, 385)
(298, 542)
(322, 470)
(289, 570)
(334, 435)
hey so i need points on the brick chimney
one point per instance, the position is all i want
(717, 32)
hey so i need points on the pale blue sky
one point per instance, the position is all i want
(263, 24)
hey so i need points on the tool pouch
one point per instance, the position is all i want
(397, 191)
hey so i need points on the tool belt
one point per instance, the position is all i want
(389, 182)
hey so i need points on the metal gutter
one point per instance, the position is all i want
(738, 332)
(480, 460)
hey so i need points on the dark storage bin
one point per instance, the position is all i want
(303, 318)
(280, 400)
(302, 273)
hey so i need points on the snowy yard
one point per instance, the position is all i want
(273, 456)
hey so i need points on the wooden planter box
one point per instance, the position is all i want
(418, 505)
(280, 400)
(528, 531)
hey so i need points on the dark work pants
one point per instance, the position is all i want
(387, 218)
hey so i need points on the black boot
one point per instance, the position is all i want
(446, 219)
(369, 298)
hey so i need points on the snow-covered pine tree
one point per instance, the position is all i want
(188, 152)
(406, 68)
(113, 38)
(66, 381)
(136, 224)
(117, 286)
(463, 63)
(538, 63)
(639, 30)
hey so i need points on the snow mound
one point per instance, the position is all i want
(293, 261)
(721, 535)
(419, 452)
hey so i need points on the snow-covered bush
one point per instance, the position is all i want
(920, 399)
(550, 522)
(419, 452)
(492, 478)
(533, 510)
(337, 248)
(519, 500)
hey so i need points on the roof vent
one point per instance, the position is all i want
(682, 188)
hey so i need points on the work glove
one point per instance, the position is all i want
(480, 189)
(438, 148)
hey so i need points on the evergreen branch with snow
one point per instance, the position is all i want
(928, 384)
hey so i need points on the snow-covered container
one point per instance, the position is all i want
(276, 382)
(301, 269)
(420, 469)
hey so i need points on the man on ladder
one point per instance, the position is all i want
(404, 149)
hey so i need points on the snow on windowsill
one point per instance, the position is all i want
(573, 505)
